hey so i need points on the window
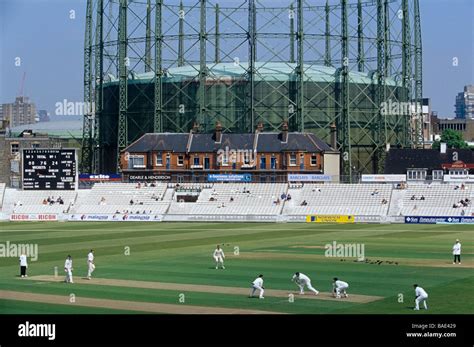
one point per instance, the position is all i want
(159, 159)
(273, 163)
(180, 160)
(438, 175)
(247, 158)
(136, 161)
(15, 148)
(314, 160)
(292, 159)
(196, 160)
(263, 162)
(15, 181)
(35, 145)
(416, 174)
(458, 172)
(225, 158)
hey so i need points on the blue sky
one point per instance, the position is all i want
(50, 46)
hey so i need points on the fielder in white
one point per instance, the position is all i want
(219, 257)
(23, 265)
(340, 288)
(457, 252)
(90, 264)
(258, 284)
(68, 269)
(421, 296)
(301, 281)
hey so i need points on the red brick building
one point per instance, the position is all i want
(266, 156)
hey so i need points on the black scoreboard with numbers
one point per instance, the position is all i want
(49, 169)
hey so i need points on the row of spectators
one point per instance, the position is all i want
(51, 201)
(131, 212)
(413, 197)
(462, 203)
(145, 185)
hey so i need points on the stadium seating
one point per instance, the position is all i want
(242, 199)
(234, 199)
(34, 201)
(108, 198)
(438, 200)
(345, 199)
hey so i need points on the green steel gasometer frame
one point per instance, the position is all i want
(335, 62)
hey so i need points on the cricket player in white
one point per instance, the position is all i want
(421, 296)
(68, 269)
(302, 280)
(219, 257)
(258, 284)
(90, 264)
(457, 252)
(340, 288)
(23, 265)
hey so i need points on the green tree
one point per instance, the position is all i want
(452, 138)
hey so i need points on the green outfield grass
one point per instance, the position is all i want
(182, 253)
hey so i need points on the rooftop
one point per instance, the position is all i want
(199, 143)
(266, 72)
(62, 129)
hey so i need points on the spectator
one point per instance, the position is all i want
(288, 197)
(231, 198)
(422, 197)
(413, 197)
(283, 196)
(304, 203)
(375, 192)
(463, 186)
(131, 201)
(463, 213)
(384, 201)
(45, 202)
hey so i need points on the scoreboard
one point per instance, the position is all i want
(49, 169)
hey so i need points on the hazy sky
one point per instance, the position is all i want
(50, 46)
